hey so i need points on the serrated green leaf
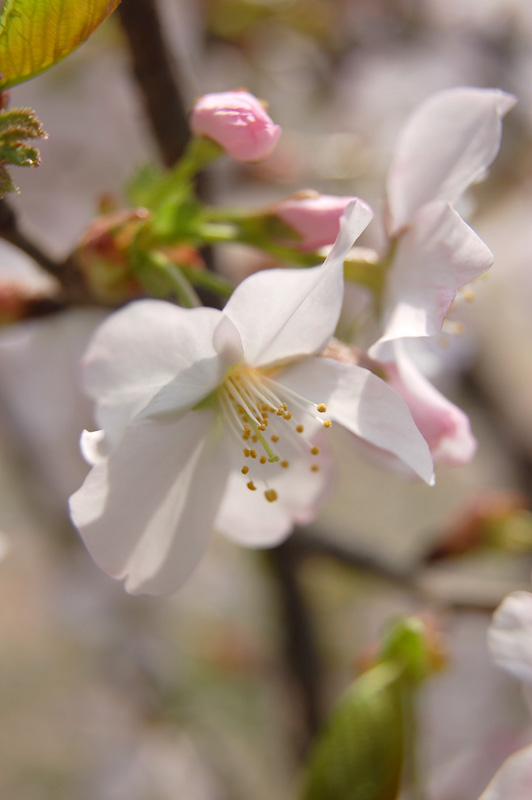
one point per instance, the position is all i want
(360, 753)
(22, 123)
(36, 34)
(20, 155)
(6, 184)
(15, 126)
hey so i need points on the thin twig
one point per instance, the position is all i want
(154, 73)
(10, 231)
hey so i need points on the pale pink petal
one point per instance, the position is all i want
(444, 426)
(513, 781)
(510, 636)
(247, 518)
(140, 349)
(446, 145)
(365, 405)
(285, 313)
(435, 257)
(146, 514)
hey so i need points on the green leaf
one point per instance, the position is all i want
(36, 34)
(6, 184)
(359, 755)
(15, 126)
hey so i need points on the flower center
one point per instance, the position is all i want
(267, 421)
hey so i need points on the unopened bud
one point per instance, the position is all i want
(238, 122)
(314, 217)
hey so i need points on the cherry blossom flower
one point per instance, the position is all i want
(510, 643)
(428, 252)
(238, 122)
(218, 420)
(447, 145)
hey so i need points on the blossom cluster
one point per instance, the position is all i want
(219, 420)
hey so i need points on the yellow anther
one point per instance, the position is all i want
(275, 438)
(284, 406)
(246, 434)
(270, 495)
(300, 428)
(315, 450)
(322, 408)
(280, 412)
(315, 468)
(285, 464)
(288, 415)
(244, 470)
(246, 452)
(261, 427)
(254, 438)
(251, 486)
(327, 423)
(263, 459)
(253, 453)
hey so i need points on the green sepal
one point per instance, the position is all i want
(406, 644)
(359, 755)
(36, 34)
(161, 277)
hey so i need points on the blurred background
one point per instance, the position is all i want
(198, 696)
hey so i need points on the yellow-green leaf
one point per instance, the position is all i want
(36, 34)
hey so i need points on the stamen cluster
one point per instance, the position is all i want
(260, 414)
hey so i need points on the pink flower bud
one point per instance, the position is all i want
(238, 122)
(315, 217)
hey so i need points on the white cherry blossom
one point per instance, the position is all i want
(510, 644)
(428, 252)
(218, 420)
(446, 145)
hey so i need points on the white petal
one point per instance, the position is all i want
(446, 145)
(143, 347)
(284, 313)
(513, 781)
(364, 405)
(434, 258)
(227, 342)
(510, 635)
(146, 514)
(247, 518)
(93, 447)
(444, 426)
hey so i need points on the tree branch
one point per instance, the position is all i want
(301, 650)
(154, 72)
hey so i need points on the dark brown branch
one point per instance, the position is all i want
(154, 72)
(301, 650)
(10, 231)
